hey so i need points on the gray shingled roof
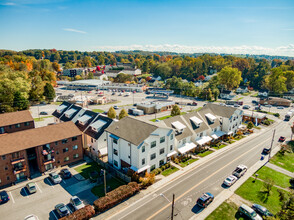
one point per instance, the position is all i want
(224, 111)
(204, 111)
(132, 130)
(185, 133)
(203, 126)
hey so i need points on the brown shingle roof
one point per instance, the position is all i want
(132, 130)
(12, 118)
(26, 139)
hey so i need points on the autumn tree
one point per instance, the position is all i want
(123, 113)
(175, 111)
(276, 81)
(49, 92)
(111, 113)
(229, 77)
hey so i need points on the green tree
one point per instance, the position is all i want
(49, 92)
(145, 67)
(289, 79)
(123, 113)
(90, 75)
(69, 65)
(111, 113)
(276, 81)
(175, 110)
(20, 102)
(250, 125)
(229, 77)
(215, 93)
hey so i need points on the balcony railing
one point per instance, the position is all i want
(17, 160)
(19, 169)
(47, 161)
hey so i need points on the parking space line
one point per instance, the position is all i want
(54, 215)
(69, 209)
(50, 183)
(39, 188)
(25, 191)
(64, 181)
(11, 197)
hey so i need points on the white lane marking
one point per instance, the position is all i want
(39, 188)
(49, 182)
(68, 209)
(64, 181)
(25, 191)
(54, 215)
(11, 197)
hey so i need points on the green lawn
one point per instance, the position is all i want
(239, 138)
(255, 192)
(161, 118)
(42, 118)
(56, 103)
(169, 171)
(205, 153)
(183, 164)
(220, 147)
(98, 110)
(85, 169)
(286, 161)
(226, 211)
(113, 183)
(279, 178)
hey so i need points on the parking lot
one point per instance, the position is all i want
(48, 195)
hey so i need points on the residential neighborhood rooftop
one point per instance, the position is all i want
(15, 118)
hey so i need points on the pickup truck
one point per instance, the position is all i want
(240, 171)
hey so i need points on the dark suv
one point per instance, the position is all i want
(205, 200)
(4, 197)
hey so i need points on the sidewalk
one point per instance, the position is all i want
(226, 194)
(280, 169)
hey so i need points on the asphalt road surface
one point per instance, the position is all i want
(207, 177)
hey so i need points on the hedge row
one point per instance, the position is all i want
(82, 214)
(116, 196)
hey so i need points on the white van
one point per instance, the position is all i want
(249, 212)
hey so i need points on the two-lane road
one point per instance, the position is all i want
(205, 177)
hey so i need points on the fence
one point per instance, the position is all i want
(112, 171)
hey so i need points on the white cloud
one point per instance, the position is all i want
(74, 30)
(243, 49)
(8, 4)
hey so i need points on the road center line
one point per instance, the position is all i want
(203, 181)
(11, 197)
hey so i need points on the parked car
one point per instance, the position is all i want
(76, 202)
(240, 171)
(115, 107)
(280, 107)
(261, 210)
(55, 178)
(246, 107)
(236, 105)
(266, 151)
(62, 210)
(31, 217)
(230, 180)
(43, 113)
(65, 173)
(282, 139)
(113, 93)
(248, 212)
(205, 200)
(31, 187)
(4, 197)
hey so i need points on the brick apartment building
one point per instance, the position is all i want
(30, 152)
(16, 121)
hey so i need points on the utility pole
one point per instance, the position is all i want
(173, 204)
(104, 181)
(269, 155)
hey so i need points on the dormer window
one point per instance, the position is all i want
(210, 117)
(83, 120)
(197, 122)
(60, 108)
(97, 125)
(69, 113)
(178, 126)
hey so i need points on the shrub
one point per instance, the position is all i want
(292, 181)
(266, 122)
(168, 165)
(156, 171)
(82, 214)
(176, 160)
(116, 196)
(148, 180)
(276, 115)
(250, 125)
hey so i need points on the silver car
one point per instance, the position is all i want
(230, 180)
(55, 178)
(76, 202)
(31, 187)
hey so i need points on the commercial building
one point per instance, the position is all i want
(255, 117)
(275, 101)
(88, 84)
(27, 153)
(16, 121)
(155, 107)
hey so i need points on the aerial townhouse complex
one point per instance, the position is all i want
(30, 152)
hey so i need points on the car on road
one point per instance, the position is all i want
(115, 107)
(280, 107)
(55, 178)
(31, 187)
(230, 180)
(236, 105)
(205, 200)
(246, 107)
(266, 151)
(258, 108)
(282, 139)
(43, 113)
(113, 93)
(268, 106)
(240, 171)
(261, 210)
(4, 197)
(62, 210)
(76, 202)
(31, 217)
(248, 212)
(65, 173)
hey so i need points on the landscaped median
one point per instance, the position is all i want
(165, 170)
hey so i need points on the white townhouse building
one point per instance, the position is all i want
(229, 117)
(138, 145)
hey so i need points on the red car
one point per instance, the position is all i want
(282, 139)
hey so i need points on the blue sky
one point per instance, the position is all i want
(230, 26)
